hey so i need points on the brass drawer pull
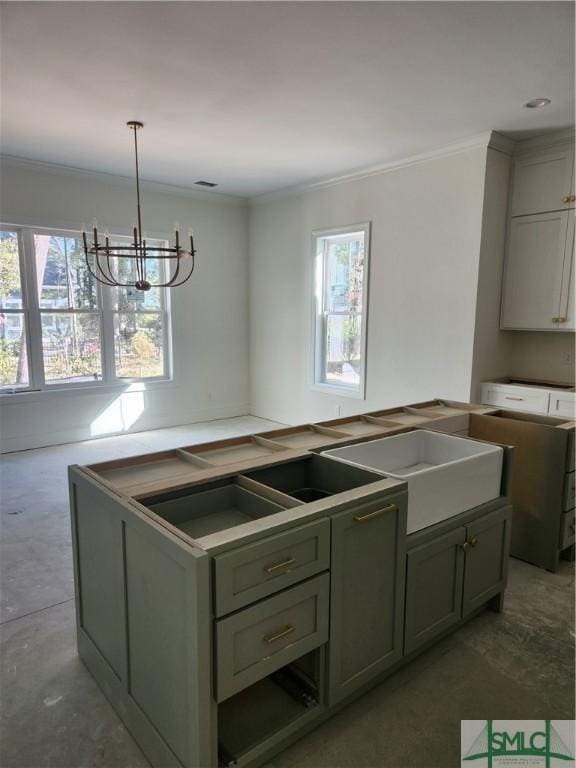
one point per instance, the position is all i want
(473, 542)
(376, 513)
(279, 566)
(566, 199)
(469, 544)
(509, 397)
(279, 635)
(561, 319)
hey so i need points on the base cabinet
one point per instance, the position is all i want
(486, 559)
(434, 580)
(367, 594)
(453, 574)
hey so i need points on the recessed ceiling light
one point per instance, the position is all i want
(535, 103)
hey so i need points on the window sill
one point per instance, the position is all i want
(334, 389)
(37, 395)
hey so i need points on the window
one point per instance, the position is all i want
(341, 290)
(60, 327)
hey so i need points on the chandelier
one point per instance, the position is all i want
(105, 261)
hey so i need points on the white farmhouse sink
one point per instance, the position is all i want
(446, 475)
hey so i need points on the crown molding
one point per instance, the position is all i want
(111, 178)
(485, 139)
(551, 139)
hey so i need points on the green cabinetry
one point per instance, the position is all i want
(453, 572)
(367, 593)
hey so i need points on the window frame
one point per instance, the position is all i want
(319, 316)
(32, 312)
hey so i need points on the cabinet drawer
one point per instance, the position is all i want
(257, 570)
(516, 398)
(257, 641)
(567, 529)
(569, 491)
(563, 405)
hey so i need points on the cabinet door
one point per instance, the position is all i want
(367, 593)
(542, 182)
(486, 561)
(434, 577)
(567, 319)
(533, 273)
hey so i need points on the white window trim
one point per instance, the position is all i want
(37, 387)
(316, 355)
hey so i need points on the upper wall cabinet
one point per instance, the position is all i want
(543, 181)
(534, 271)
(538, 287)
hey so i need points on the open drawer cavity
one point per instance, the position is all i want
(270, 709)
(312, 478)
(209, 509)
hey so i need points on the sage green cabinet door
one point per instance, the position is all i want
(367, 591)
(434, 578)
(485, 567)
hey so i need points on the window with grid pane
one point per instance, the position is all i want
(341, 272)
(60, 327)
(13, 321)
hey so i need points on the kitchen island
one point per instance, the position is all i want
(233, 595)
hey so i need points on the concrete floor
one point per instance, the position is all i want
(515, 665)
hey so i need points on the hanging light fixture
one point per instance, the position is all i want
(103, 259)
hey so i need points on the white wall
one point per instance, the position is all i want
(492, 347)
(209, 318)
(426, 231)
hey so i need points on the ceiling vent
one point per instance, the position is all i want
(206, 183)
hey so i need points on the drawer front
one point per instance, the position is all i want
(567, 529)
(255, 642)
(569, 491)
(516, 398)
(250, 573)
(563, 405)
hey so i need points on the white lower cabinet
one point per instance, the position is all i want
(541, 400)
(514, 398)
(562, 405)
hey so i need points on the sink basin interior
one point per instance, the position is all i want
(410, 453)
(213, 508)
(446, 475)
(312, 478)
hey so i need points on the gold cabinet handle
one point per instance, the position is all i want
(567, 199)
(560, 319)
(376, 513)
(466, 546)
(473, 541)
(509, 397)
(279, 566)
(554, 319)
(573, 198)
(279, 635)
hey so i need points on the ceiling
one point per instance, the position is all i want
(262, 95)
